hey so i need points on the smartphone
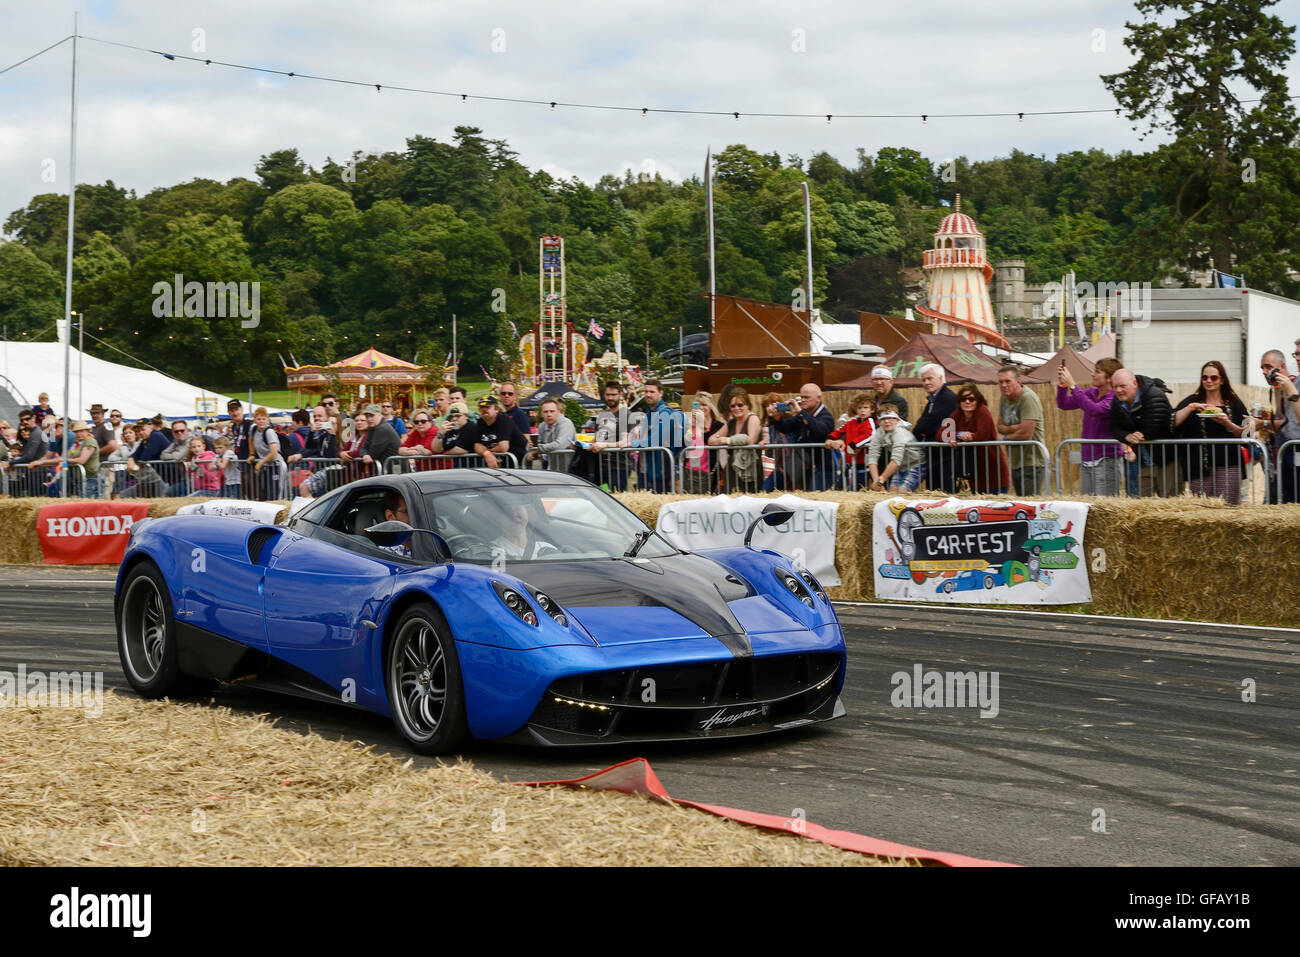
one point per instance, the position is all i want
(694, 406)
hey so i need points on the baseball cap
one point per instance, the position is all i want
(881, 372)
(458, 407)
(372, 409)
(488, 400)
(889, 415)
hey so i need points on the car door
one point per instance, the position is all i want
(324, 591)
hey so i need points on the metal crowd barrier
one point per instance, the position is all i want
(1106, 477)
(1165, 466)
(1290, 447)
(944, 464)
(402, 464)
(29, 480)
(785, 466)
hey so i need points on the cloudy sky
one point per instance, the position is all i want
(145, 121)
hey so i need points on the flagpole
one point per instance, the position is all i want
(67, 275)
(455, 365)
(807, 240)
(713, 278)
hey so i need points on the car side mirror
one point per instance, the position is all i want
(386, 534)
(772, 515)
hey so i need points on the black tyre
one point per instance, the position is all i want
(146, 634)
(425, 690)
(988, 582)
(973, 516)
(948, 587)
(1021, 514)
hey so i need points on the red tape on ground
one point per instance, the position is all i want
(637, 777)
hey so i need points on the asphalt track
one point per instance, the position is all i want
(1143, 722)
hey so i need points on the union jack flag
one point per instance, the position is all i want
(596, 329)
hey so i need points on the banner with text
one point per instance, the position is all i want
(721, 521)
(264, 513)
(987, 553)
(87, 533)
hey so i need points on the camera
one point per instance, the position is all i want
(784, 407)
(1272, 376)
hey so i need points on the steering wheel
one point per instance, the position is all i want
(469, 548)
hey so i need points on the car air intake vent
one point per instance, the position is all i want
(258, 541)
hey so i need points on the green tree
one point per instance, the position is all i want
(1199, 65)
(31, 292)
(280, 169)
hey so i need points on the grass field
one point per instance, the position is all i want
(287, 399)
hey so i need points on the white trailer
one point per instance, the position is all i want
(1171, 333)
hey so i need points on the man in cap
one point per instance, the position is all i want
(451, 440)
(882, 380)
(383, 441)
(495, 433)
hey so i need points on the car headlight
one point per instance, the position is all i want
(548, 605)
(516, 602)
(813, 584)
(794, 586)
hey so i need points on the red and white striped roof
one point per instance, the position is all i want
(958, 222)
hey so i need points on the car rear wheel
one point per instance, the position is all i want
(948, 587)
(973, 516)
(424, 685)
(146, 634)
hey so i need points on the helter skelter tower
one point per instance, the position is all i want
(553, 328)
(960, 273)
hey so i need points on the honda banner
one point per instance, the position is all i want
(87, 533)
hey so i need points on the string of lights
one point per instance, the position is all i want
(643, 110)
(561, 104)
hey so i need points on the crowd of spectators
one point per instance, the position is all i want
(958, 443)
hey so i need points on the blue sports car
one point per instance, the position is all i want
(520, 605)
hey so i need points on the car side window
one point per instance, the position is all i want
(363, 508)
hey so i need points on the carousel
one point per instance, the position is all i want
(369, 376)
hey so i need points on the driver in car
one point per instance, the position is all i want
(395, 511)
(519, 542)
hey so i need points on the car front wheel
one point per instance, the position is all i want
(424, 685)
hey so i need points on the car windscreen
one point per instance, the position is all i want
(537, 523)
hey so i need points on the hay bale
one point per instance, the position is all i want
(1176, 558)
(159, 783)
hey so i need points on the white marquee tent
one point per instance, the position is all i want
(35, 367)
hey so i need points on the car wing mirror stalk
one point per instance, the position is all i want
(772, 515)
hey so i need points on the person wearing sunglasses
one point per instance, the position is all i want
(509, 393)
(742, 468)
(419, 441)
(986, 467)
(1213, 411)
(331, 403)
